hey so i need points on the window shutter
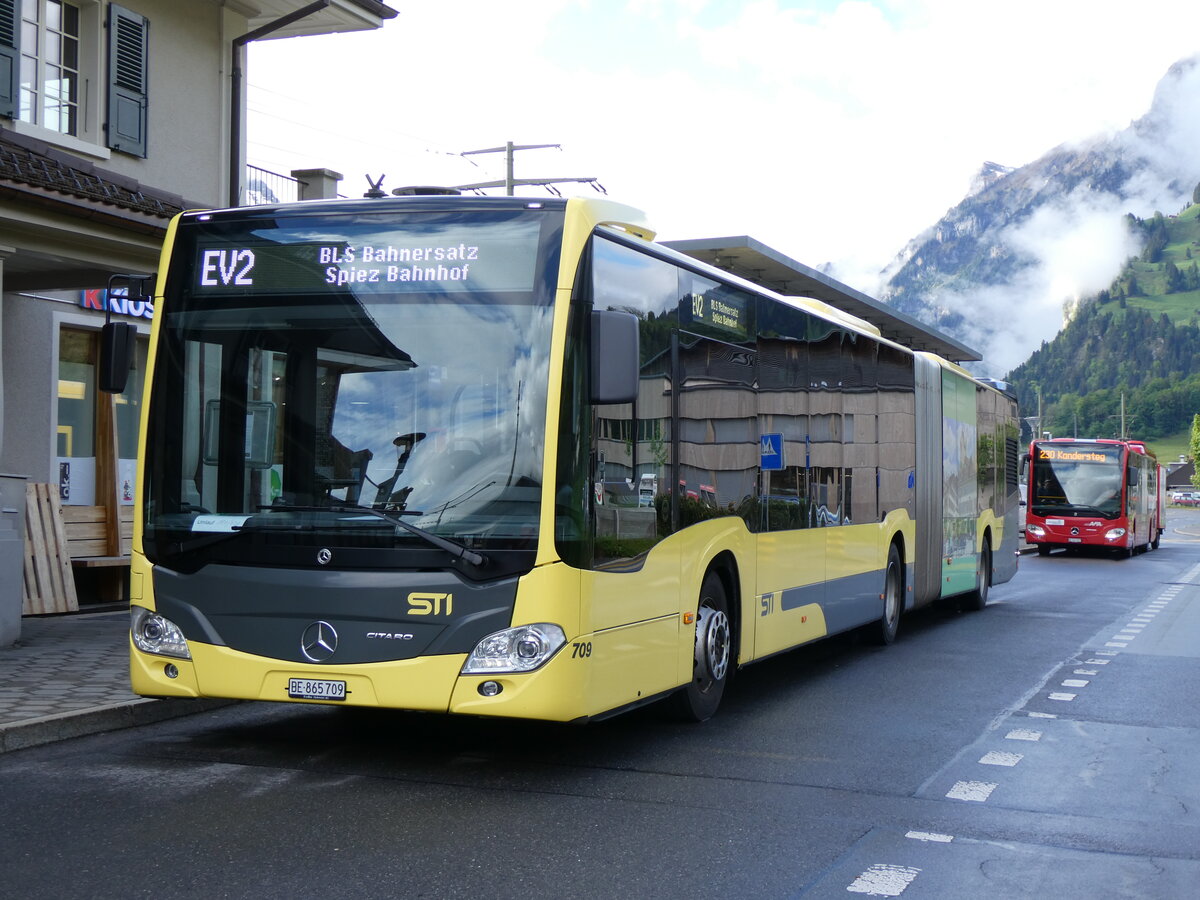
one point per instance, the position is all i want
(128, 64)
(10, 58)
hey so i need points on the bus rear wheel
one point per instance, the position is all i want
(712, 655)
(977, 599)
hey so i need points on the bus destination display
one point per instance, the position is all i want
(454, 259)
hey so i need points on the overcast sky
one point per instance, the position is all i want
(832, 130)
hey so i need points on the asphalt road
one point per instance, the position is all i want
(1044, 747)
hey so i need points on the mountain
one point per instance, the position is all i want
(1008, 266)
(1132, 350)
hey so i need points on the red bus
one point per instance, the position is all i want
(1093, 493)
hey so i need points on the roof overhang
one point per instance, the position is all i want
(750, 259)
(339, 15)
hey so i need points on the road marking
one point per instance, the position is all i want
(882, 880)
(1115, 644)
(1023, 734)
(1097, 662)
(1059, 695)
(930, 836)
(1075, 682)
(997, 758)
(1086, 672)
(974, 791)
(1041, 715)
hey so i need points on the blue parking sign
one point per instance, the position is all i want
(770, 450)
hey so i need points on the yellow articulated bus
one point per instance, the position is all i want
(502, 457)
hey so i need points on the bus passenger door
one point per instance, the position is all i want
(791, 546)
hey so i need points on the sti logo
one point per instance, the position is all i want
(430, 604)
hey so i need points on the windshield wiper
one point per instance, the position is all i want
(1071, 509)
(455, 549)
(236, 531)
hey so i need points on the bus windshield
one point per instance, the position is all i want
(1077, 480)
(310, 366)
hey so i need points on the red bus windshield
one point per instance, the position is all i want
(1072, 479)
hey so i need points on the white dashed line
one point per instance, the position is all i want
(1065, 697)
(1042, 715)
(1097, 662)
(1075, 682)
(1086, 672)
(975, 791)
(930, 836)
(1115, 644)
(997, 758)
(1023, 734)
(882, 880)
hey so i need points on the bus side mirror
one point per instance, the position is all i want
(116, 356)
(615, 361)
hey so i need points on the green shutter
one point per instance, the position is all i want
(128, 64)
(10, 58)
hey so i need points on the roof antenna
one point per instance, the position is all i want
(376, 191)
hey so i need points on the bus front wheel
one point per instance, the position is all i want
(713, 653)
(883, 632)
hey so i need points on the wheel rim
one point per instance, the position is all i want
(712, 647)
(891, 596)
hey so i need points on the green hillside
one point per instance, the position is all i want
(1138, 340)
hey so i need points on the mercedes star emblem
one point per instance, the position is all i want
(319, 641)
(324, 555)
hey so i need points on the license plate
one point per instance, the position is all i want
(316, 689)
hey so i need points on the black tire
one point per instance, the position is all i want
(884, 631)
(1157, 540)
(1043, 549)
(977, 599)
(713, 656)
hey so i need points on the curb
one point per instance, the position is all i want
(63, 726)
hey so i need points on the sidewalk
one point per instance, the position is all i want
(68, 676)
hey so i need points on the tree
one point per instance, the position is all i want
(1194, 447)
(1175, 282)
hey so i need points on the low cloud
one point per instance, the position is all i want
(1074, 246)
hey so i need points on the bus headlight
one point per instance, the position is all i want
(154, 634)
(520, 649)
(1114, 534)
(1035, 531)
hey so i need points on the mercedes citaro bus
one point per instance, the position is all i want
(503, 457)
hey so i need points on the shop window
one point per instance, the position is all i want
(82, 432)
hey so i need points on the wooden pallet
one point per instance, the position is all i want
(49, 581)
(59, 538)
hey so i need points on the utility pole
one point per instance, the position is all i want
(510, 182)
